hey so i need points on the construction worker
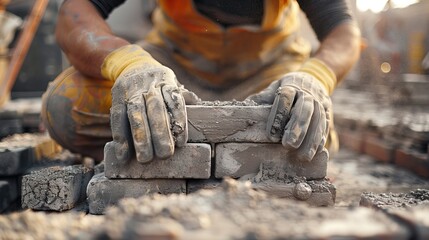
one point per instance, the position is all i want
(218, 49)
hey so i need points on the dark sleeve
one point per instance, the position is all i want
(325, 15)
(105, 7)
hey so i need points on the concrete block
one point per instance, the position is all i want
(55, 188)
(103, 192)
(381, 151)
(10, 127)
(9, 192)
(413, 161)
(217, 124)
(15, 161)
(21, 151)
(191, 161)
(239, 159)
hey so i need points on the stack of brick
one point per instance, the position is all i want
(20, 115)
(18, 153)
(398, 136)
(223, 141)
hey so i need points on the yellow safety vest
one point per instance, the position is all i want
(223, 55)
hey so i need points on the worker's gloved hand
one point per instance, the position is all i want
(300, 110)
(148, 113)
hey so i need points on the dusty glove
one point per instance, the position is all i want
(148, 113)
(300, 110)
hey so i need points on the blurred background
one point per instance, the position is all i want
(395, 32)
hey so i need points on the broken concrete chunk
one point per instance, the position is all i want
(190, 161)
(239, 159)
(395, 200)
(103, 192)
(55, 188)
(217, 124)
(9, 192)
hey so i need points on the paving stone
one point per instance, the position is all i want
(381, 151)
(216, 124)
(194, 185)
(103, 192)
(55, 188)
(9, 192)
(413, 161)
(191, 161)
(239, 159)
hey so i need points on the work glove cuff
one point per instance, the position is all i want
(321, 72)
(125, 58)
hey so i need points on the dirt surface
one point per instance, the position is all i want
(353, 174)
(234, 211)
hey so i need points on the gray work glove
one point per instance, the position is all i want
(148, 113)
(299, 115)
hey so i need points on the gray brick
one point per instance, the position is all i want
(10, 127)
(239, 159)
(191, 161)
(217, 124)
(9, 192)
(103, 192)
(55, 188)
(15, 161)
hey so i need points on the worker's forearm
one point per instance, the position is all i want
(85, 37)
(341, 49)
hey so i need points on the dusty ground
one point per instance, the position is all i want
(234, 211)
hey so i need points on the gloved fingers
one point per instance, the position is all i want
(177, 108)
(120, 131)
(267, 95)
(159, 123)
(299, 122)
(315, 134)
(280, 113)
(140, 129)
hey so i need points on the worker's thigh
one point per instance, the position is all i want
(75, 111)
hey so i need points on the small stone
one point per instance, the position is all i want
(302, 191)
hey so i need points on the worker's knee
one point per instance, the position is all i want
(75, 111)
